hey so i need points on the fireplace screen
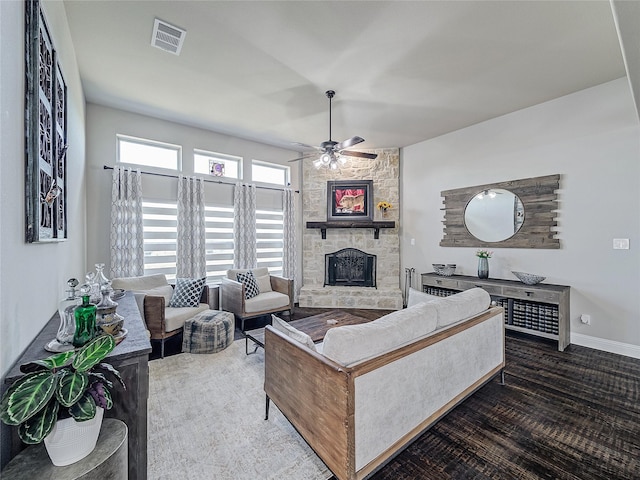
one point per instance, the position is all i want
(350, 267)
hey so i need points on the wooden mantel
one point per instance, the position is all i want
(346, 224)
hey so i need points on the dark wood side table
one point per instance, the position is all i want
(108, 459)
(131, 359)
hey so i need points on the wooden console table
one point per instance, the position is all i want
(541, 309)
(130, 358)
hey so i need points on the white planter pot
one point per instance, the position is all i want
(71, 441)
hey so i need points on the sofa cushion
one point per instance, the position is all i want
(250, 286)
(264, 282)
(266, 301)
(416, 296)
(175, 317)
(187, 292)
(354, 343)
(165, 291)
(292, 332)
(140, 284)
(461, 306)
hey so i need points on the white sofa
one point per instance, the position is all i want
(377, 386)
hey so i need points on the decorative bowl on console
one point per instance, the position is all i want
(528, 278)
(444, 270)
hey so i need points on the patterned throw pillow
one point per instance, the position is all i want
(187, 292)
(250, 285)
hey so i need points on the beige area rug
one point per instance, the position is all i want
(206, 421)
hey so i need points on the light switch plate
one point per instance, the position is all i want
(621, 244)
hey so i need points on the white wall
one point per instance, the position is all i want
(591, 138)
(103, 123)
(33, 276)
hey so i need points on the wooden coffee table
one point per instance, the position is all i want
(316, 327)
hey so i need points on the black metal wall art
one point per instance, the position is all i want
(45, 131)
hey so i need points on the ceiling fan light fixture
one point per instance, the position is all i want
(342, 159)
(333, 165)
(325, 159)
(317, 163)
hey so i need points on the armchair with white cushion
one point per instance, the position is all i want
(274, 294)
(153, 295)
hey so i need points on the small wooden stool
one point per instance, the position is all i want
(210, 331)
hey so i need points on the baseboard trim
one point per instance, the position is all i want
(605, 345)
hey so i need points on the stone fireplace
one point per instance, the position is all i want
(350, 267)
(385, 293)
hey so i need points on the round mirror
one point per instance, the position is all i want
(494, 215)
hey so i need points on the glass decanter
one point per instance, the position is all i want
(65, 310)
(85, 319)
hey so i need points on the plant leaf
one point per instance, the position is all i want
(116, 373)
(93, 352)
(27, 396)
(84, 409)
(40, 425)
(71, 387)
(50, 363)
(101, 395)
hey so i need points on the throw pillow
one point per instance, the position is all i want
(187, 292)
(292, 332)
(264, 282)
(416, 296)
(250, 286)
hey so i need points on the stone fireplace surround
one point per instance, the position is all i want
(385, 173)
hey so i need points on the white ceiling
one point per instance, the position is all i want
(403, 72)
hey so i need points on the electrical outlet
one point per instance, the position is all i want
(586, 319)
(413, 241)
(621, 244)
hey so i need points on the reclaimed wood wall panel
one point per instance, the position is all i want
(540, 200)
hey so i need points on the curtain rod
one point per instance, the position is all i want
(107, 167)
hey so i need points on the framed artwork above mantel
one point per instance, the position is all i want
(350, 200)
(45, 133)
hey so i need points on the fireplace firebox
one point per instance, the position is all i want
(350, 267)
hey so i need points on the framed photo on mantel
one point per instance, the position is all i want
(350, 200)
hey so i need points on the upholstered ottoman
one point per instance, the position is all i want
(208, 332)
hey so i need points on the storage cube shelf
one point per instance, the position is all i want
(541, 309)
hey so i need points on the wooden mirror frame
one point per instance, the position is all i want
(540, 200)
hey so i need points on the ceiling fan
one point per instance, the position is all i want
(333, 153)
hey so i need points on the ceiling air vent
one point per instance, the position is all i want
(167, 37)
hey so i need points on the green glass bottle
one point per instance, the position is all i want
(85, 322)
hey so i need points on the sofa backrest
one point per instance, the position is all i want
(140, 284)
(257, 272)
(352, 344)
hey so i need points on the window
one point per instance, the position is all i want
(269, 173)
(138, 151)
(204, 162)
(270, 239)
(160, 234)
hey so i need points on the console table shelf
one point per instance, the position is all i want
(541, 309)
(344, 224)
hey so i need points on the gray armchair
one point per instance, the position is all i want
(276, 295)
(153, 293)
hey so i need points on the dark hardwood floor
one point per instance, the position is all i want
(561, 415)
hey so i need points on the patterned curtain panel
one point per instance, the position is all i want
(244, 226)
(289, 229)
(190, 245)
(127, 249)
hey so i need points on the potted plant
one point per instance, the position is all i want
(69, 387)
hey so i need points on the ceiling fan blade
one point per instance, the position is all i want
(348, 143)
(303, 157)
(359, 154)
(304, 145)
